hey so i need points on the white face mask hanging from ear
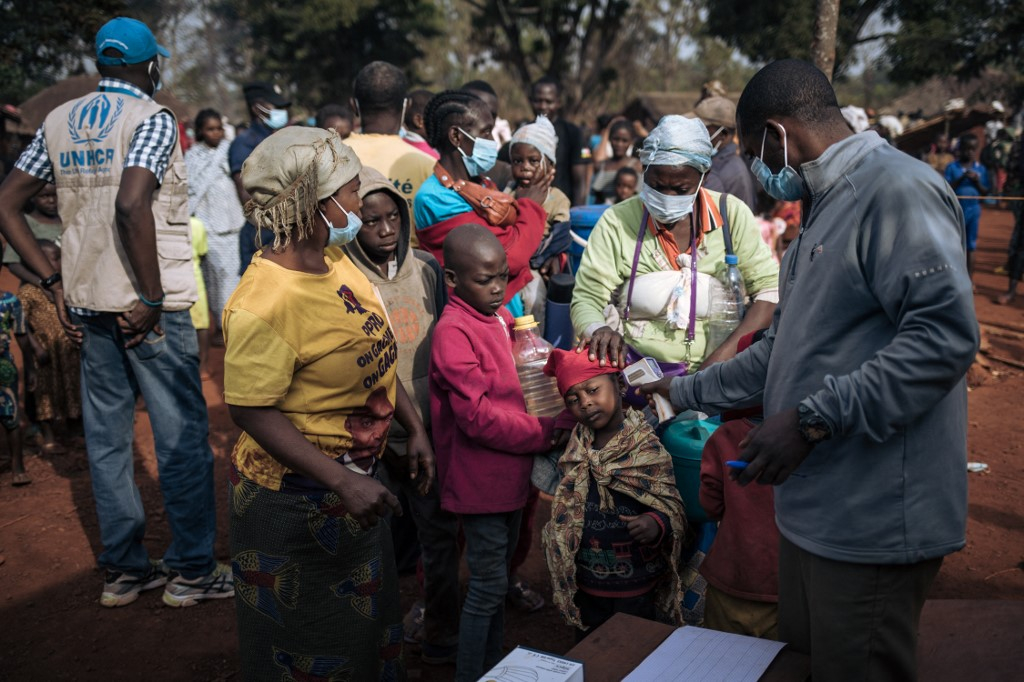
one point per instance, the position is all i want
(157, 81)
(720, 142)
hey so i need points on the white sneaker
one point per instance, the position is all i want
(217, 585)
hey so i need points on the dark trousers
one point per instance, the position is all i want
(437, 531)
(856, 621)
(594, 610)
(1015, 252)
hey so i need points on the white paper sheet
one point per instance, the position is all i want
(699, 655)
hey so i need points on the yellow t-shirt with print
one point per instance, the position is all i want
(319, 348)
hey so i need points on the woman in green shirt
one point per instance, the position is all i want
(679, 219)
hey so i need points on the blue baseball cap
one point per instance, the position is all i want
(131, 38)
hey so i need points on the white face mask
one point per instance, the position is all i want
(718, 144)
(668, 209)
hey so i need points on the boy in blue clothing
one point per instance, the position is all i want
(968, 178)
(12, 323)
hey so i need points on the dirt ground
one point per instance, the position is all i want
(54, 629)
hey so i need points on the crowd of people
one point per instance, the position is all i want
(364, 275)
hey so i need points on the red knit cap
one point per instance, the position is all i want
(571, 368)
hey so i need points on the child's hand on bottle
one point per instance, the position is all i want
(643, 528)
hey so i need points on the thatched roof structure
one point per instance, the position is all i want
(35, 108)
(931, 96)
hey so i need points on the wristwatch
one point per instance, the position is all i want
(50, 281)
(813, 428)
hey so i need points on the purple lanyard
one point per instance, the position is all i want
(691, 329)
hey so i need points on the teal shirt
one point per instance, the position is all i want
(606, 263)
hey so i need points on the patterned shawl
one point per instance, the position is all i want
(634, 463)
(212, 196)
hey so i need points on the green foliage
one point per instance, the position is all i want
(40, 39)
(595, 47)
(315, 48)
(955, 37)
(764, 30)
(924, 38)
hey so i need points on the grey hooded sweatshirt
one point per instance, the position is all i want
(413, 295)
(875, 331)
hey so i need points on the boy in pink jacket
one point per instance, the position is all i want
(483, 436)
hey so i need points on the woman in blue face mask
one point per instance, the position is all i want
(648, 273)
(458, 125)
(310, 377)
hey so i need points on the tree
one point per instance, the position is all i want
(42, 39)
(315, 49)
(923, 38)
(764, 30)
(826, 24)
(589, 45)
(953, 37)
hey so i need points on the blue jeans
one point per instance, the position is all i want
(165, 370)
(490, 542)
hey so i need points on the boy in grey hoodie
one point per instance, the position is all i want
(412, 288)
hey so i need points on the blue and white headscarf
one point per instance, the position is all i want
(678, 141)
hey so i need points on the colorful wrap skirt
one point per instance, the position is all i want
(316, 596)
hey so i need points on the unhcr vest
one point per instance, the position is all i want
(87, 140)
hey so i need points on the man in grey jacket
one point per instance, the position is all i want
(862, 378)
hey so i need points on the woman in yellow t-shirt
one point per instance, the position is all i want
(310, 378)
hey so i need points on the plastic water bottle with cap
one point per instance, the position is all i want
(728, 302)
(531, 353)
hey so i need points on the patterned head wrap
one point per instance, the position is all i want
(288, 173)
(678, 141)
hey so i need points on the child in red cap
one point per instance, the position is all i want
(742, 566)
(617, 519)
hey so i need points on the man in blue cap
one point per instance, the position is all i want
(268, 110)
(127, 286)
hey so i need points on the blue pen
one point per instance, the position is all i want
(737, 464)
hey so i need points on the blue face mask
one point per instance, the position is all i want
(786, 185)
(275, 118)
(339, 236)
(485, 153)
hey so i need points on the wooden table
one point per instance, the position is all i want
(616, 648)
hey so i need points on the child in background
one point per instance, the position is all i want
(626, 181)
(772, 227)
(620, 139)
(336, 117)
(413, 130)
(44, 222)
(412, 288)
(532, 154)
(968, 178)
(12, 321)
(200, 310)
(484, 452)
(742, 566)
(617, 519)
(53, 379)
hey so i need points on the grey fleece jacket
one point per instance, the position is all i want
(875, 331)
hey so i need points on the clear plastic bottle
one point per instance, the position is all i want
(531, 353)
(728, 303)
